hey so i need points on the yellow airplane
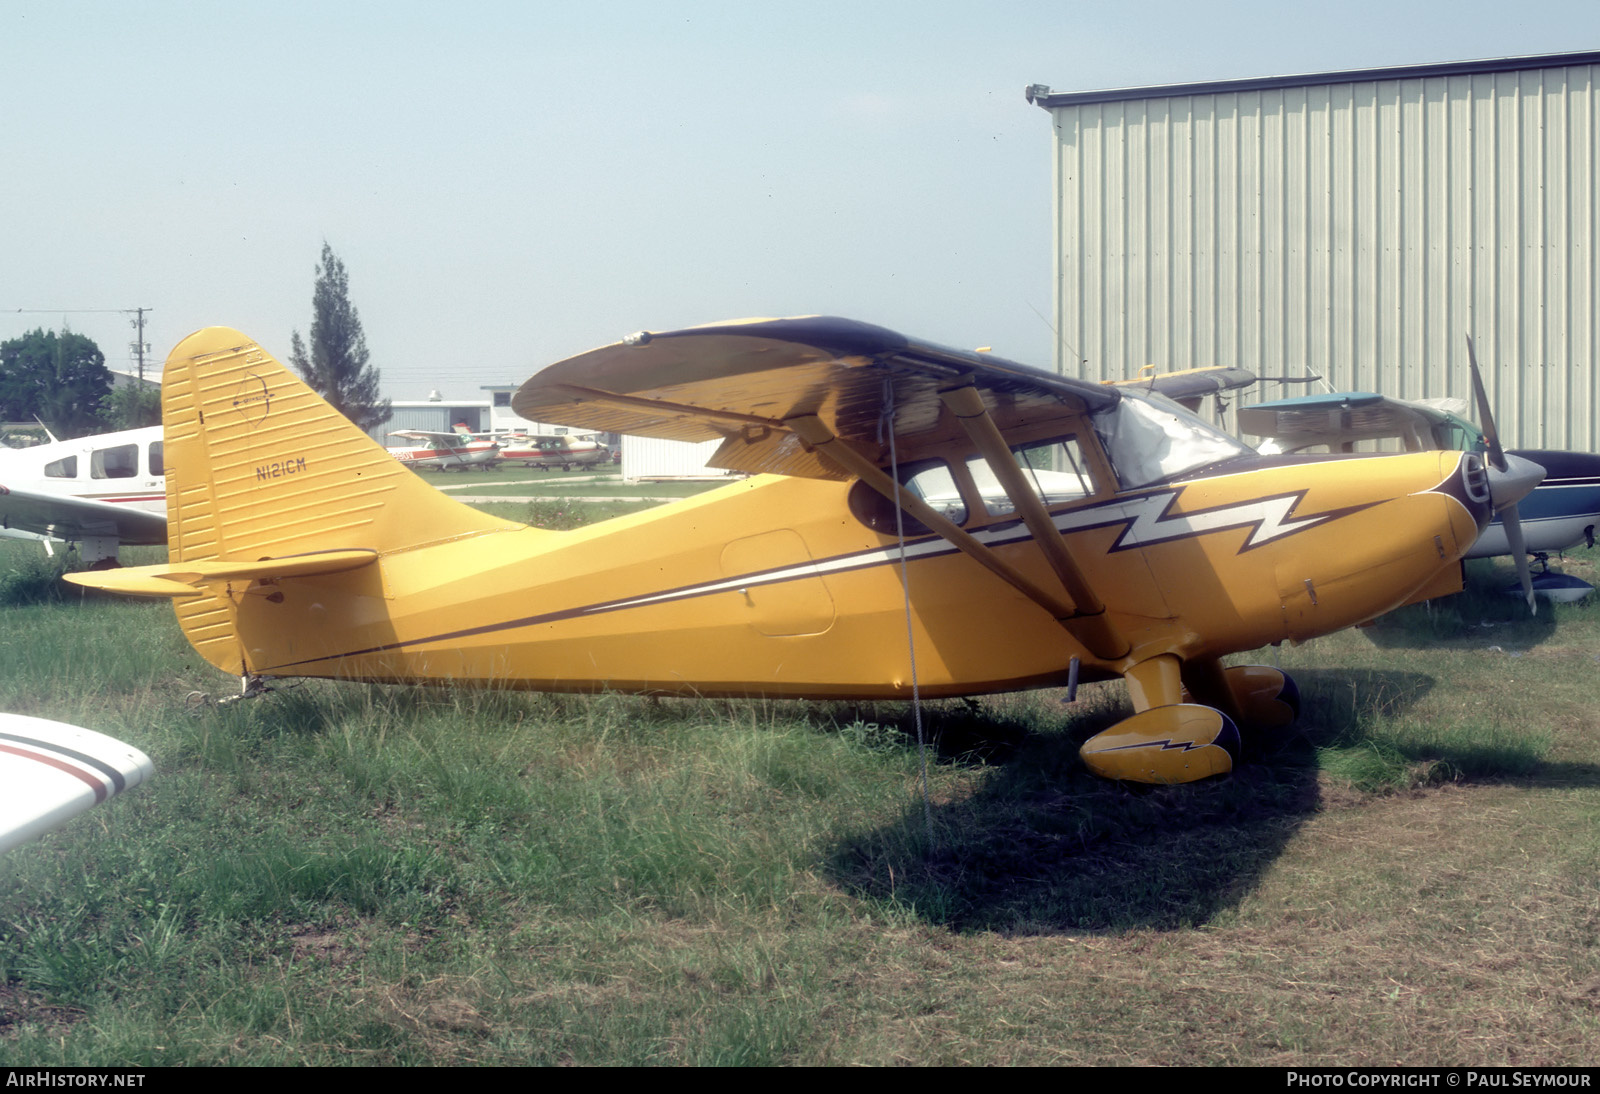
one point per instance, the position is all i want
(916, 510)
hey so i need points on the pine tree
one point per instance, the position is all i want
(337, 365)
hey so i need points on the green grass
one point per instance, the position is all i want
(29, 576)
(561, 515)
(1383, 753)
(342, 874)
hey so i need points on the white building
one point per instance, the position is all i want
(430, 416)
(1353, 224)
(503, 418)
(642, 457)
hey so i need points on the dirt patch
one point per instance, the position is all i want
(19, 1009)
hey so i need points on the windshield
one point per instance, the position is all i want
(1149, 438)
(1455, 435)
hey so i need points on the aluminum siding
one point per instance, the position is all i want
(1356, 229)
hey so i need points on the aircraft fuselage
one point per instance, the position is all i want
(771, 586)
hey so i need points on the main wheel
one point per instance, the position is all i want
(1172, 744)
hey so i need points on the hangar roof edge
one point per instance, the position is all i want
(1041, 95)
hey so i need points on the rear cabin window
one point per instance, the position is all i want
(930, 480)
(119, 462)
(157, 467)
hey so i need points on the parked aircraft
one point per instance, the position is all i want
(444, 450)
(98, 492)
(1126, 538)
(549, 451)
(1562, 511)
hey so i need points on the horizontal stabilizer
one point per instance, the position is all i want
(191, 578)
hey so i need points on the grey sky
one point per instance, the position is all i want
(511, 183)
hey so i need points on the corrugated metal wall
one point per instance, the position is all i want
(1357, 229)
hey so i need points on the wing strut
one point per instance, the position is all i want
(1090, 624)
(1091, 630)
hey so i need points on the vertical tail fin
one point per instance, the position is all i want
(258, 466)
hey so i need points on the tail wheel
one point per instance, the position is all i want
(1180, 743)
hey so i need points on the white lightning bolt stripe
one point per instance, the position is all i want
(1165, 745)
(1150, 519)
(1145, 517)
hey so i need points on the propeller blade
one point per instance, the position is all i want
(1519, 552)
(1491, 435)
(1497, 458)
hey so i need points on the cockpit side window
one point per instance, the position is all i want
(66, 468)
(118, 462)
(1055, 469)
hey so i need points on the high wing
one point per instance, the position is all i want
(752, 383)
(517, 438)
(1190, 386)
(449, 440)
(1342, 420)
(65, 517)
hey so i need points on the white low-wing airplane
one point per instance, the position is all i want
(52, 771)
(98, 492)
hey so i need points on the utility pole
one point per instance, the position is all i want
(141, 347)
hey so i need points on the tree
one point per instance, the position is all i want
(337, 365)
(132, 406)
(60, 379)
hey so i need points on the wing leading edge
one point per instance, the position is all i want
(745, 382)
(51, 771)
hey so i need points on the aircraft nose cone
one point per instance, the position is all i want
(1514, 483)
